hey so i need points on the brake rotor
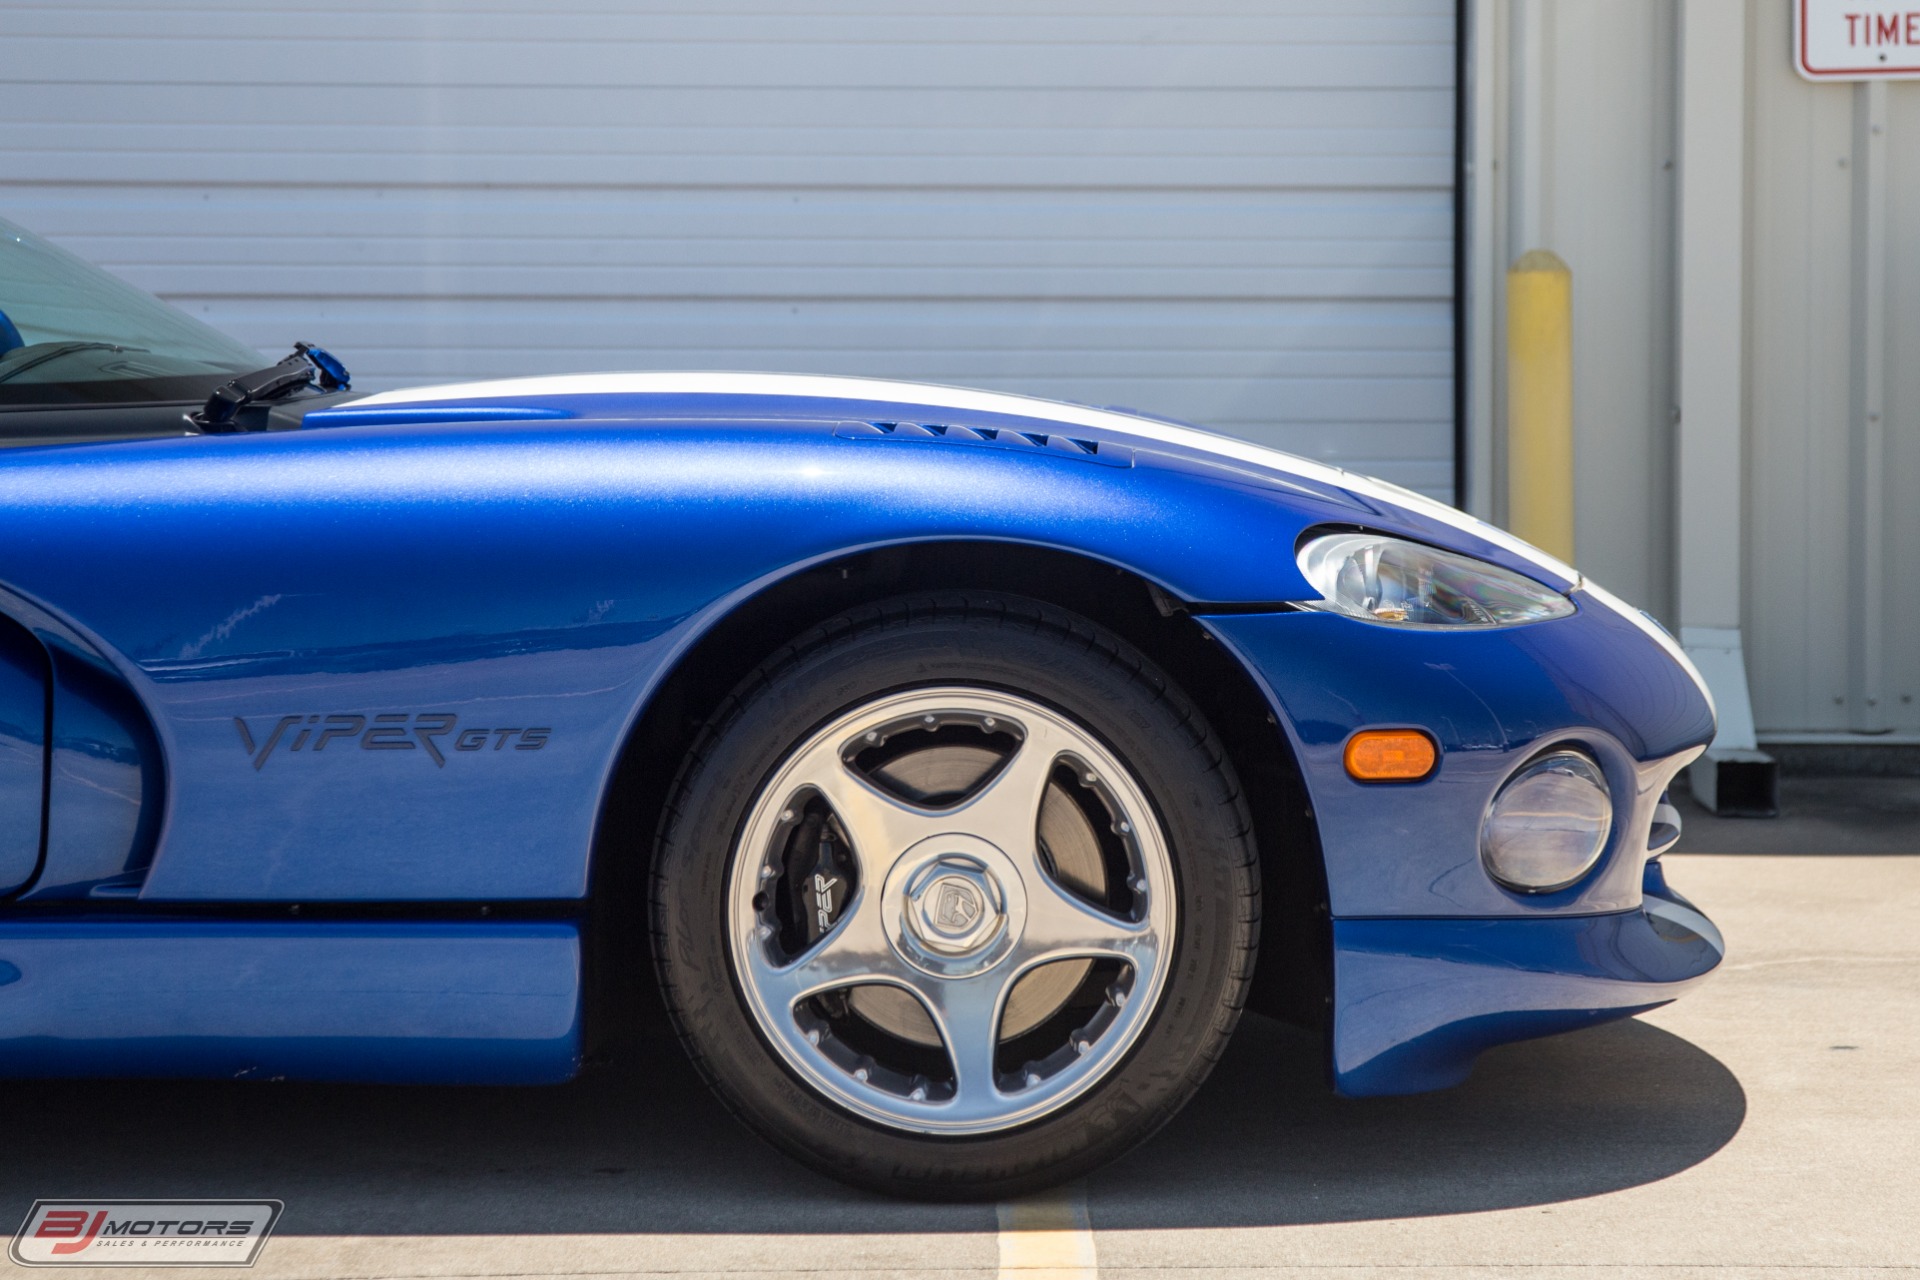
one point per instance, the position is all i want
(1067, 841)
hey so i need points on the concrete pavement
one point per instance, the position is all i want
(1768, 1125)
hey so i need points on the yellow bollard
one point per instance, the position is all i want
(1540, 402)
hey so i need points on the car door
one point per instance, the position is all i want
(23, 755)
(84, 358)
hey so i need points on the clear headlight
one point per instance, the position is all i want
(1382, 579)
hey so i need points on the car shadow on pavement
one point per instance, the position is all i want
(643, 1148)
(1544, 1121)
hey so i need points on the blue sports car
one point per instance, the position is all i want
(958, 765)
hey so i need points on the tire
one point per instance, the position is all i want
(862, 808)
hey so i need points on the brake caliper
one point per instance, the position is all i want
(819, 878)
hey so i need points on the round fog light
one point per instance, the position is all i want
(1548, 825)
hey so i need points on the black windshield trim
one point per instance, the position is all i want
(191, 388)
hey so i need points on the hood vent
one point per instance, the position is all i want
(1047, 443)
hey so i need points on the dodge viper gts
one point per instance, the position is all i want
(958, 765)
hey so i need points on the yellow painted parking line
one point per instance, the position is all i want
(1047, 1237)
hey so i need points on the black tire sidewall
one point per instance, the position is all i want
(1016, 647)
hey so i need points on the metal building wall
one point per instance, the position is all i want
(1578, 108)
(1574, 106)
(1833, 517)
(1241, 217)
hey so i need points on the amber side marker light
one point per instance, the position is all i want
(1390, 755)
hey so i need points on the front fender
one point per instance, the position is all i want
(257, 593)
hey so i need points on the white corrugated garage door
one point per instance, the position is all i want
(1241, 217)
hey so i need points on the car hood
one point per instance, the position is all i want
(809, 395)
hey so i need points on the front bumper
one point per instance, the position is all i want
(1432, 960)
(1418, 1000)
(1492, 700)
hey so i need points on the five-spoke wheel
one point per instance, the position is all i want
(956, 897)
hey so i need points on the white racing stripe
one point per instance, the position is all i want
(938, 397)
(929, 395)
(1047, 1237)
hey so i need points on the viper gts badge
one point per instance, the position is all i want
(393, 731)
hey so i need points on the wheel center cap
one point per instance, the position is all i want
(954, 906)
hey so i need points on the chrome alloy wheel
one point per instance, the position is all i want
(1009, 922)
